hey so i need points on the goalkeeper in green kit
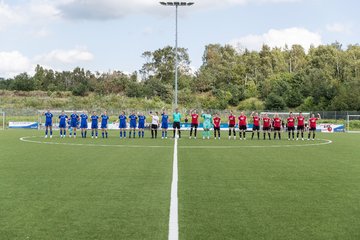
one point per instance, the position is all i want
(207, 124)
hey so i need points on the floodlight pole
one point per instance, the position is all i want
(176, 4)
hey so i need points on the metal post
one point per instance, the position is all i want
(176, 55)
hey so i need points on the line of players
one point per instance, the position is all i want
(138, 121)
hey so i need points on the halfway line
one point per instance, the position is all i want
(173, 219)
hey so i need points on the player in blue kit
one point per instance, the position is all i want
(94, 125)
(104, 124)
(132, 120)
(164, 124)
(83, 124)
(48, 123)
(141, 125)
(74, 119)
(62, 124)
(122, 124)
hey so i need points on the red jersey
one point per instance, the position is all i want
(301, 120)
(217, 122)
(256, 121)
(312, 122)
(266, 122)
(291, 122)
(242, 120)
(195, 118)
(277, 122)
(232, 120)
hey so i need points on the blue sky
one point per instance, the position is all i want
(106, 35)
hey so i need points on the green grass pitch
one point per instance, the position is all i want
(120, 188)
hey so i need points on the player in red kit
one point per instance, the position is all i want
(256, 125)
(194, 123)
(266, 125)
(300, 126)
(291, 126)
(277, 126)
(216, 123)
(232, 123)
(242, 125)
(312, 123)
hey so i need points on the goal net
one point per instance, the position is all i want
(353, 123)
(2, 121)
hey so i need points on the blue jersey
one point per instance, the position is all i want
(48, 117)
(133, 119)
(164, 121)
(94, 121)
(122, 119)
(74, 120)
(83, 122)
(83, 118)
(104, 120)
(62, 121)
(141, 121)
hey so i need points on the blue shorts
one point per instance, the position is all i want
(48, 124)
(132, 124)
(141, 125)
(122, 125)
(63, 125)
(94, 126)
(103, 126)
(84, 125)
(74, 124)
(164, 125)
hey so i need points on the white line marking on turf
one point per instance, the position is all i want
(310, 144)
(173, 218)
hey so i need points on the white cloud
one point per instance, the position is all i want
(279, 38)
(66, 56)
(8, 16)
(338, 28)
(12, 63)
(112, 9)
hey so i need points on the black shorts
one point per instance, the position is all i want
(194, 125)
(291, 129)
(176, 125)
(277, 128)
(256, 128)
(300, 128)
(313, 129)
(154, 126)
(231, 125)
(242, 127)
(216, 128)
(266, 128)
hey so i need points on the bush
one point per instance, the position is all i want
(251, 104)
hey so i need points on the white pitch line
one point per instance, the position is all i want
(310, 144)
(173, 218)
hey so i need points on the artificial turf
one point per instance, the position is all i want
(228, 189)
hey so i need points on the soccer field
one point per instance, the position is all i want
(120, 188)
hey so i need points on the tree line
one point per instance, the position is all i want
(326, 77)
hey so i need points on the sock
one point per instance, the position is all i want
(234, 132)
(102, 134)
(60, 132)
(134, 134)
(96, 133)
(74, 133)
(195, 132)
(92, 133)
(252, 135)
(139, 134)
(258, 134)
(313, 135)
(152, 133)
(46, 132)
(191, 129)
(279, 135)
(244, 134)
(64, 132)
(274, 135)
(121, 133)
(269, 136)
(309, 136)
(106, 134)
(297, 135)
(125, 134)
(289, 134)
(302, 135)
(142, 134)
(240, 134)
(218, 133)
(82, 134)
(50, 132)
(179, 133)
(264, 135)
(155, 133)
(293, 135)
(163, 134)
(174, 132)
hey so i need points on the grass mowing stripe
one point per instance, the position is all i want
(173, 218)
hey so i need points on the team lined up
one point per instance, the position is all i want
(138, 122)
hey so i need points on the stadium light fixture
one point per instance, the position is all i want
(176, 4)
